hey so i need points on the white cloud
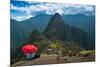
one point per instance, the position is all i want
(51, 8)
(20, 18)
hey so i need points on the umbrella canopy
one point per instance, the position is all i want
(29, 48)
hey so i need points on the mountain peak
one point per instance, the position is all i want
(56, 20)
(56, 28)
(56, 15)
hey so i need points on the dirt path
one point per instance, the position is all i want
(52, 59)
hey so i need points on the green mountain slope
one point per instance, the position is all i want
(58, 30)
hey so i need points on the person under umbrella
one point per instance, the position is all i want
(30, 51)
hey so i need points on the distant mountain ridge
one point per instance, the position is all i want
(87, 23)
(58, 30)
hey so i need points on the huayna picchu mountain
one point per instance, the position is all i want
(58, 30)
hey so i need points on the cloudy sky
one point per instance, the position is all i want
(21, 10)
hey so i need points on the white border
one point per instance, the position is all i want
(4, 33)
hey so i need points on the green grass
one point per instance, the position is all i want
(87, 52)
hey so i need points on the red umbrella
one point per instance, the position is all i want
(29, 48)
